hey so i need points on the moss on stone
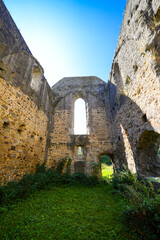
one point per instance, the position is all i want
(128, 80)
(156, 17)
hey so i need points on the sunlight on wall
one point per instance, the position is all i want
(80, 117)
(128, 150)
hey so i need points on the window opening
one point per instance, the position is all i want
(80, 127)
(80, 151)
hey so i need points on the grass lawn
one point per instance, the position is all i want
(69, 212)
(107, 171)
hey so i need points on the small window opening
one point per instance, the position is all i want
(80, 151)
(80, 127)
(106, 166)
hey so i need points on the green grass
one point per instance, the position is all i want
(107, 171)
(70, 212)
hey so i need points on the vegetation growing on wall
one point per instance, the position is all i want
(44, 179)
(156, 17)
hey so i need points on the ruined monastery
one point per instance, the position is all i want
(123, 115)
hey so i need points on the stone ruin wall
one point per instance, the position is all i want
(36, 122)
(63, 140)
(135, 89)
(23, 133)
(123, 116)
(24, 104)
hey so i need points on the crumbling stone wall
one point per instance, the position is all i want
(36, 122)
(123, 116)
(25, 104)
(63, 141)
(23, 132)
(135, 89)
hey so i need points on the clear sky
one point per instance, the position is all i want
(70, 37)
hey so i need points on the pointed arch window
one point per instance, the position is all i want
(80, 123)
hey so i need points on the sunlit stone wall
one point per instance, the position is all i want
(25, 104)
(63, 141)
(135, 89)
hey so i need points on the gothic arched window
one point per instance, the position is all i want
(80, 124)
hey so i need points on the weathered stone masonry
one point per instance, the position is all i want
(24, 108)
(123, 116)
(135, 89)
(63, 141)
(36, 123)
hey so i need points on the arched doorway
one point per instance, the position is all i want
(106, 165)
(148, 154)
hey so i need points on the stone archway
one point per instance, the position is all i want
(111, 158)
(147, 154)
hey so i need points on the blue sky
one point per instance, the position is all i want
(70, 37)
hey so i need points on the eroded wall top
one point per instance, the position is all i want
(11, 39)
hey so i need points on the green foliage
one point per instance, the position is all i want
(61, 165)
(143, 212)
(68, 166)
(95, 168)
(105, 159)
(44, 179)
(64, 166)
(159, 151)
(80, 178)
(40, 168)
(123, 177)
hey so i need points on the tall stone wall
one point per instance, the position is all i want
(36, 122)
(63, 140)
(135, 89)
(123, 116)
(22, 133)
(25, 104)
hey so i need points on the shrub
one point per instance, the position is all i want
(41, 168)
(60, 166)
(95, 168)
(43, 179)
(143, 212)
(123, 177)
(81, 178)
(106, 160)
